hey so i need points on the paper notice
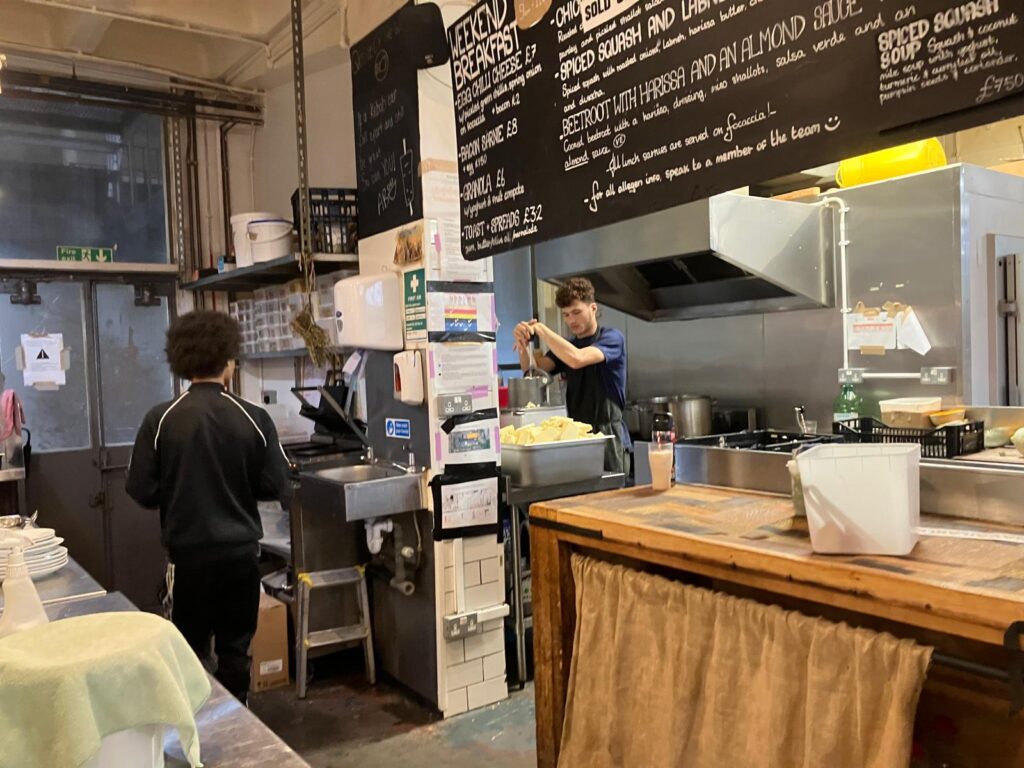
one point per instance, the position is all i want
(458, 368)
(910, 334)
(872, 331)
(43, 359)
(461, 313)
(470, 504)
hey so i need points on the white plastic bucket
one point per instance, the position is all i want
(270, 239)
(862, 499)
(239, 235)
(134, 748)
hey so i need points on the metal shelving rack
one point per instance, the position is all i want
(274, 272)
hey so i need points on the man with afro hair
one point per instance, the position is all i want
(204, 460)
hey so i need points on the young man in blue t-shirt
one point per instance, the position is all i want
(593, 362)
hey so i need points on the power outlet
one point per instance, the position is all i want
(269, 397)
(460, 626)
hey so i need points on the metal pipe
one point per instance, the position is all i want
(154, 21)
(225, 186)
(131, 65)
(907, 376)
(839, 204)
(971, 667)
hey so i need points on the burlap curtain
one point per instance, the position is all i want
(664, 674)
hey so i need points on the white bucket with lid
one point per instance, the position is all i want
(862, 499)
(269, 239)
(239, 234)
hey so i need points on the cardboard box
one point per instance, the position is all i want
(270, 646)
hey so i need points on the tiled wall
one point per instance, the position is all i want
(475, 666)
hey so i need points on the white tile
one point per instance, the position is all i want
(455, 651)
(494, 666)
(484, 596)
(490, 626)
(472, 574)
(490, 570)
(449, 579)
(484, 644)
(489, 692)
(449, 603)
(458, 702)
(461, 675)
(479, 548)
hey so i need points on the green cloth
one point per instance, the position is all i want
(67, 684)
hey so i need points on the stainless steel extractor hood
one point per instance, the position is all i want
(726, 255)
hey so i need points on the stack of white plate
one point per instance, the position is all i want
(41, 546)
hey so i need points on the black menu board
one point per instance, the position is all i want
(385, 105)
(610, 109)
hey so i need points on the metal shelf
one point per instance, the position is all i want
(285, 354)
(268, 273)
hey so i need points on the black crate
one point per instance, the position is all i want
(333, 218)
(941, 443)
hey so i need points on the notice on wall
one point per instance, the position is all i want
(43, 363)
(461, 316)
(415, 302)
(387, 131)
(464, 368)
(443, 232)
(470, 504)
(605, 110)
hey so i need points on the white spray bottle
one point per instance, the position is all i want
(22, 607)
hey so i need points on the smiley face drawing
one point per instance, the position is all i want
(832, 124)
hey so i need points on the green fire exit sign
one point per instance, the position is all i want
(79, 253)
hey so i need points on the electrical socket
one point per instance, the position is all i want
(269, 397)
(460, 626)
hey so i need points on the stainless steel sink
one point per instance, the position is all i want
(365, 491)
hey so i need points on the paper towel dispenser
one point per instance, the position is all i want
(368, 311)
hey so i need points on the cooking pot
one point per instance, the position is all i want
(691, 414)
(534, 387)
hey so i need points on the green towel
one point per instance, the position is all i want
(66, 685)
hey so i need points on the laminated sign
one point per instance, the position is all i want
(876, 330)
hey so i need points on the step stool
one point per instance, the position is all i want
(305, 640)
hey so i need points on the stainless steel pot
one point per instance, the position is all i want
(535, 389)
(691, 414)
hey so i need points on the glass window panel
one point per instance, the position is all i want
(133, 367)
(79, 175)
(58, 421)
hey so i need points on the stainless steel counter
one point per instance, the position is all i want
(229, 734)
(68, 584)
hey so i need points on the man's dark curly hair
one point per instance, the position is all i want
(574, 289)
(200, 344)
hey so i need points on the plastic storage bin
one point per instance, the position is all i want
(333, 219)
(862, 499)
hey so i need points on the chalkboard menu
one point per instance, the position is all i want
(609, 109)
(385, 104)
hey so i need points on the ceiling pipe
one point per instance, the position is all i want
(154, 21)
(131, 65)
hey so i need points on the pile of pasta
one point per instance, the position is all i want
(554, 430)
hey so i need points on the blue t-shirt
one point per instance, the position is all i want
(611, 372)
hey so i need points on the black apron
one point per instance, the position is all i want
(587, 401)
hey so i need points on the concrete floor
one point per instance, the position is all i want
(345, 722)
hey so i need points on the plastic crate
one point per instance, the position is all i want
(942, 443)
(333, 218)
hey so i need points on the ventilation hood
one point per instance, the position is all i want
(726, 255)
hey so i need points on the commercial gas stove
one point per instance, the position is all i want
(754, 460)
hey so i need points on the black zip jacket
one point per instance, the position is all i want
(204, 460)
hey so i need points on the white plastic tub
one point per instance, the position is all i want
(269, 240)
(239, 234)
(862, 499)
(135, 748)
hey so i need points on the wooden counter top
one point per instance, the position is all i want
(957, 588)
(969, 588)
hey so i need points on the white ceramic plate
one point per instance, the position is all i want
(35, 550)
(42, 557)
(42, 563)
(10, 538)
(45, 570)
